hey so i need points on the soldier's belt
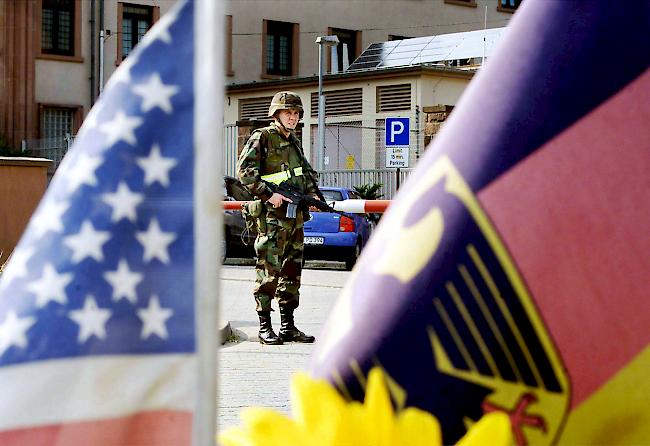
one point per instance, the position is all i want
(279, 177)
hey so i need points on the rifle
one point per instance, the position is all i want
(300, 200)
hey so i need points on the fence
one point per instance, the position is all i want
(50, 148)
(350, 178)
(56, 148)
(349, 148)
(359, 145)
(230, 134)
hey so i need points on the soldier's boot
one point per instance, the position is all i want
(288, 331)
(266, 334)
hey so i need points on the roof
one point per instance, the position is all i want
(428, 50)
(348, 76)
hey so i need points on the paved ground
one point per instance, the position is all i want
(251, 374)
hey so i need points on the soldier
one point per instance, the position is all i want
(274, 154)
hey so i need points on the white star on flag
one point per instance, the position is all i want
(17, 266)
(48, 218)
(123, 201)
(156, 167)
(121, 128)
(91, 320)
(50, 287)
(82, 171)
(155, 242)
(156, 94)
(124, 281)
(153, 319)
(13, 331)
(87, 242)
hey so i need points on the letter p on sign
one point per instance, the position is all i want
(397, 132)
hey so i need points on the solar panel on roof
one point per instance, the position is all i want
(428, 50)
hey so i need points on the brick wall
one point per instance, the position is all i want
(434, 117)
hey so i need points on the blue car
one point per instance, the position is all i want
(330, 236)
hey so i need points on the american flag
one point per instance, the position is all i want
(96, 305)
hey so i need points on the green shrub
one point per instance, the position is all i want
(6, 149)
(370, 191)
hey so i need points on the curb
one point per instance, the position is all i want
(225, 331)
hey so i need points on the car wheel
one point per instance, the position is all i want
(353, 256)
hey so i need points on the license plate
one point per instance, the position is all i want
(314, 240)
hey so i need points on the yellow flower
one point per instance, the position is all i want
(321, 417)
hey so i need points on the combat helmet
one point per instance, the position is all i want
(285, 100)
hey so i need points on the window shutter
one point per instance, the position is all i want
(254, 108)
(394, 97)
(339, 102)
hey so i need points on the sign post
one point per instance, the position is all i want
(397, 144)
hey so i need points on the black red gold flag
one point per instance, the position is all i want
(511, 272)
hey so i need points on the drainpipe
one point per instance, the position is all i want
(102, 38)
(92, 52)
(101, 45)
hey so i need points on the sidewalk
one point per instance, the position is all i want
(251, 374)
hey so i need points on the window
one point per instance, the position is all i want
(136, 21)
(396, 37)
(508, 5)
(349, 39)
(57, 122)
(332, 195)
(58, 27)
(279, 48)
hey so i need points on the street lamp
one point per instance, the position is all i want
(327, 41)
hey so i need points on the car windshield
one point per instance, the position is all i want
(332, 195)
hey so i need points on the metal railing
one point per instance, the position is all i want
(56, 148)
(230, 134)
(350, 178)
(50, 148)
(337, 177)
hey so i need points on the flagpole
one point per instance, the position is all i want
(208, 135)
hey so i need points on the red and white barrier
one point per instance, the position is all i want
(361, 206)
(349, 206)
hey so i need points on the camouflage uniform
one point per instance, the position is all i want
(279, 246)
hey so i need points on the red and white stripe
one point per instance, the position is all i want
(100, 401)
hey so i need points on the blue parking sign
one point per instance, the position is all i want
(397, 132)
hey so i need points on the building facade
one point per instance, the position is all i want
(55, 55)
(50, 69)
(357, 105)
(276, 39)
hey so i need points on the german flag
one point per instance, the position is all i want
(512, 272)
